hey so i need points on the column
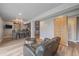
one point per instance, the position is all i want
(32, 29)
(1, 29)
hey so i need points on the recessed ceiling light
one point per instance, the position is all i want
(20, 14)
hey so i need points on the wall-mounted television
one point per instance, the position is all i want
(8, 26)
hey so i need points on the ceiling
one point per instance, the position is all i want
(27, 11)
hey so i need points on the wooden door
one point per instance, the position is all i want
(61, 29)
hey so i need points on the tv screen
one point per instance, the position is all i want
(8, 26)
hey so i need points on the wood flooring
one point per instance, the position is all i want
(15, 48)
(12, 48)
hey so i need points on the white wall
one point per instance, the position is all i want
(8, 32)
(47, 28)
